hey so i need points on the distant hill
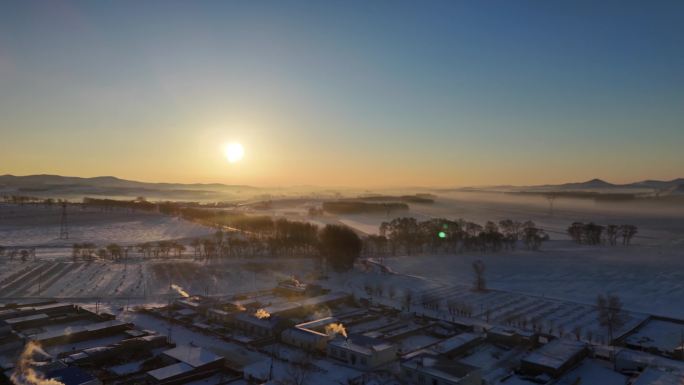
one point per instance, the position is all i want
(103, 181)
(599, 184)
(590, 184)
(595, 187)
(56, 186)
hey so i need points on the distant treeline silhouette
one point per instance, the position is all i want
(599, 196)
(593, 234)
(357, 207)
(417, 198)
(443, 236)
(338, 244)
(25, 199)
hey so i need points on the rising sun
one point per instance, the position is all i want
(234, 152)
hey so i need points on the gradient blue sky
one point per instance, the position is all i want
(367, 93)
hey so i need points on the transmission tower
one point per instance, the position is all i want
(551, 198)
(64, 227)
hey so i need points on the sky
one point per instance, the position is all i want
(344, 93)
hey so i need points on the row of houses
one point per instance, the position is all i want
(74, 346)
(87, 348)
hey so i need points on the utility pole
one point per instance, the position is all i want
(63, 227)
(168, 312)
(40, 279)
(551, 197)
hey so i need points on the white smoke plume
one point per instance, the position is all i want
(24, 374)
(261, 314)
(180, 291)
(336, 328)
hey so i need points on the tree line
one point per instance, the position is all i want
(339, 245)
(443, 236)
(23, 253)
(593, 234)
(357, 207)
(25, 199)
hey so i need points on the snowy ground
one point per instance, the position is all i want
(561, 318)
(39, 226)
(648, 276)
(142, 279)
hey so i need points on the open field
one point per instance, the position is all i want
(140, 279)
(648, 276)
(39, 226)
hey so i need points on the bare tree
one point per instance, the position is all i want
(610, 313)
(611, 234)
(408, 298)
(197, 246)
(628, 231)
(479, 270)
(298, 371)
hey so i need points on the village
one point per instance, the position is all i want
(313, 333)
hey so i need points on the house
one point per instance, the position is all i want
(186, 362)
(291, 287)
(630, 360)
(310, 336)
(80, 333)
(509, 336)
(430, 369)
(654, 376)
(658, 335)
(219, 316)
(362, 352)
(258, 327)
(554, 358)
(458, 344)
(73, 375)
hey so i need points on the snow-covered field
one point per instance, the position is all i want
(648, 276)
(39, 226)
(140, 279)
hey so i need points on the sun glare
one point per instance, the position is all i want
(234, 152)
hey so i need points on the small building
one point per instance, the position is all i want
(654, 376)
(27, 320)
(509, 336)
(258, 327)
(310, 336)
(80, 333)
(291, 287)
(219, 316)
(661, 336)
(362, 352)
(554, 358)
(633, 360)
(171, 372)
(73, 375)
(436, 370)
(305, 339)
(186, 362)
(457, 345)
(199, 304)
(49, 309)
